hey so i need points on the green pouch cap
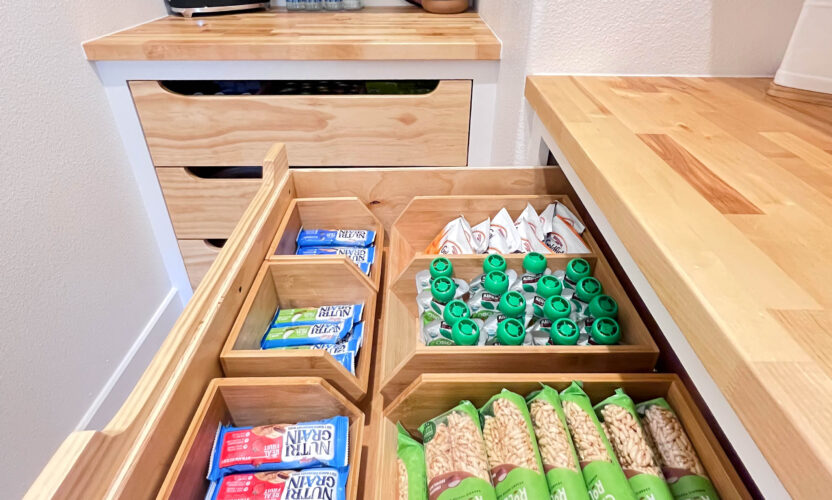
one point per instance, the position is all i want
(496, 282)
(443, 289)
(494, 262)
(563, 473)
(512, 304)
(510, 332)
(557, 307)
(411, 456)
(646, 480)
(603, 306)
(605, 331)
(587, 288)
(465, 332)
(603, 478)
(534, 263)
(454, 311)
(564, 331)
(549, 286)
(502, 416)
(576, 269)
(441, 266)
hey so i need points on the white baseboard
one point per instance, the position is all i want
(130, 369)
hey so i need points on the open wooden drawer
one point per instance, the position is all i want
(319, 130)
(131, 456)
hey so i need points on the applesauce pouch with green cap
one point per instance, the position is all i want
(682, 468)
(557, 453)
(555, 308)
(439, 266)
(510, 332)
(619, 419)
(575, 270)
(585, 290)
(432, 302)
(547, 286)
(512, 305)
(603, 476)
(484, 301)
(603, 331)
(465, 332)
(439, 332)
(410, 456)
(564, 331)
(534, 267)
(493, 262)
(455, 457)
(511, 447)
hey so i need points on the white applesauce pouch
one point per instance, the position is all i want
(482, 234)
(504, 238)
(455, 239)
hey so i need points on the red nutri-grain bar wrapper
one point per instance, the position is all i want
(309, 484)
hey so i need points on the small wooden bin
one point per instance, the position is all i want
(404, 356)
(301, 282)
(256, 401)
(433, 394)
(326, 213)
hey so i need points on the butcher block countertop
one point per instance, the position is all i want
(374, 33)
(724, 199)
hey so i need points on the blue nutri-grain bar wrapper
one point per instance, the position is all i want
(323, 443)
(308, 484)
(335, 238)
(347, 360)
(314, 315)
(351, 343)
(363, 257)
(293, 335)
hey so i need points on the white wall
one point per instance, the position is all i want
(80, 273)
(702, 37)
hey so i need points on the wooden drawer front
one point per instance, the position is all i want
(198, 256)
(379, 130)
(204, 208)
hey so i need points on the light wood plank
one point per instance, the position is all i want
(198, 256)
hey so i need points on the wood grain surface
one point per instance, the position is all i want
(369, 34)
(722, 196)
(198, 256)
(319, 130)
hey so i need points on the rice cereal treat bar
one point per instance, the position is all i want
(618, 416)
(516, 470)
(560, 462)
(682, 469)
(602, 473)
(412, 484)
(457, 466)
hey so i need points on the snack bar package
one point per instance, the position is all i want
(681, 467)
(516, 470)
(351, 343)
(482, 234)
(618, 416)
(602, 473)
(560, 462)
(323, 443)
(313, 315)
(364, 257)
(309, 484)
(563, 238)
(455, 239)
(503, 236)
(457, 466)
(412, 481)
(319, 333)
(335, 238)
(530, 216)
(559, 210)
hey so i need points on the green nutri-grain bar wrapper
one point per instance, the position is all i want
(560, 462)
(456, 463)
(682, 469)
(513, 457)
(412, 483)
(603, 476)
(639, 462)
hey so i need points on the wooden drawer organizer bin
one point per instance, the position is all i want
(404, 355)
(257, 401)
(131, 456)
(301, 282)
(433, 394)
(319, 130)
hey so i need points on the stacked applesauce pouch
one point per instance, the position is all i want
(307, 460)
(357, 244)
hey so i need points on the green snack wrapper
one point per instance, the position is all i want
(682, 469)
(412, 480)
(618, 416)
(513, 456)
(557, 453)
(603, 476)
(457, 466)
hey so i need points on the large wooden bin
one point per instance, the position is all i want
(433, 394)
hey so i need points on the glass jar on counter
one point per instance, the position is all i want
(295, 4)
(314, 4)
(333, 4)
(353, 4)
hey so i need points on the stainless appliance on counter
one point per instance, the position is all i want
(190, 7)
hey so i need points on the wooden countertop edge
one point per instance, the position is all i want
(793, 449)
